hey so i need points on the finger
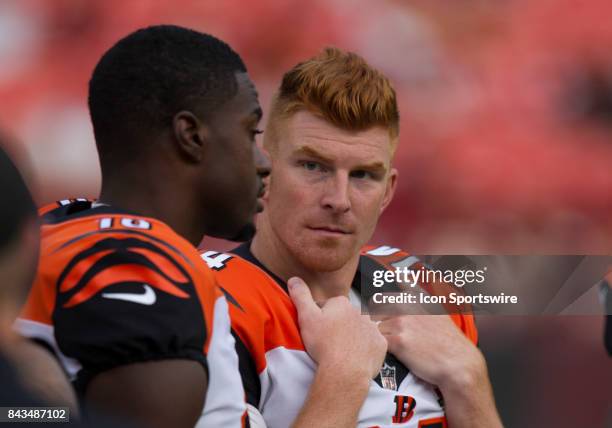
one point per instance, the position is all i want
(302, 297)
(379, 318)
(338, 302)
(387, 326)
(384, 327)
(394, 342)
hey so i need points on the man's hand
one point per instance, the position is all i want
(435, 350)
(349, 351)
(337, 334)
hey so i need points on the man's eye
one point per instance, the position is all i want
(311, 166)
(361, 174)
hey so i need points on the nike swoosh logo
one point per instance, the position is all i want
(146, 298)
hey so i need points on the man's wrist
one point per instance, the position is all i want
(465, 375)
(347, 375)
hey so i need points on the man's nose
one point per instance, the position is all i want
(262, 162)
(336, 196)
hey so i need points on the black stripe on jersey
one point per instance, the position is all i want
(120, 256)
(127, 232)
(248, 372)
(231, 298)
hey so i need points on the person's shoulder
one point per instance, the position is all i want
(78, 229)
(259, 305)
(86, 215)
(244, 280)
(95, 253)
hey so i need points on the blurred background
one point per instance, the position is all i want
(506, 139)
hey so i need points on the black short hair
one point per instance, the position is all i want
(147, 77)
(17, 205)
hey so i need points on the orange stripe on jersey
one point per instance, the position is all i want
(207, 294)
(162, 263)
(47, 208)
(433, 423)
(77, 272)
(467, 324)
(263, 315)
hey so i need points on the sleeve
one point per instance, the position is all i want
(129, 300)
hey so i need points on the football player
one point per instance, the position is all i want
(331, 135)
(122, 296)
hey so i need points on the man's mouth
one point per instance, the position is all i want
(331, 230)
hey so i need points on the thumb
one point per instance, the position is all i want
(301, 296)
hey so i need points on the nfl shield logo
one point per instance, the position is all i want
(387, 377)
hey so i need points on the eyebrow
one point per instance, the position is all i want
(374, 167)
(310, 152)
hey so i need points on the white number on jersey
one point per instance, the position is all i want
(215, 260)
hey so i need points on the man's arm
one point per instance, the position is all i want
(157, 394)
(349, 351)
(335, 397)
(436, 351)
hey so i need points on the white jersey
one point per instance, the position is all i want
(277, 371)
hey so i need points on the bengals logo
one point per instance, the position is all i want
(115, 261)
(404, 408)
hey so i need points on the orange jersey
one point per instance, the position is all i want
(114, 288)
(277, 371)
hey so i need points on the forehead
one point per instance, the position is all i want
(305, 130)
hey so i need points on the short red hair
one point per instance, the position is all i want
(340, 87)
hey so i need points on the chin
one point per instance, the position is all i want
(323, 258)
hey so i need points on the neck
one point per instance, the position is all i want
(275, 256)
(153, 193)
